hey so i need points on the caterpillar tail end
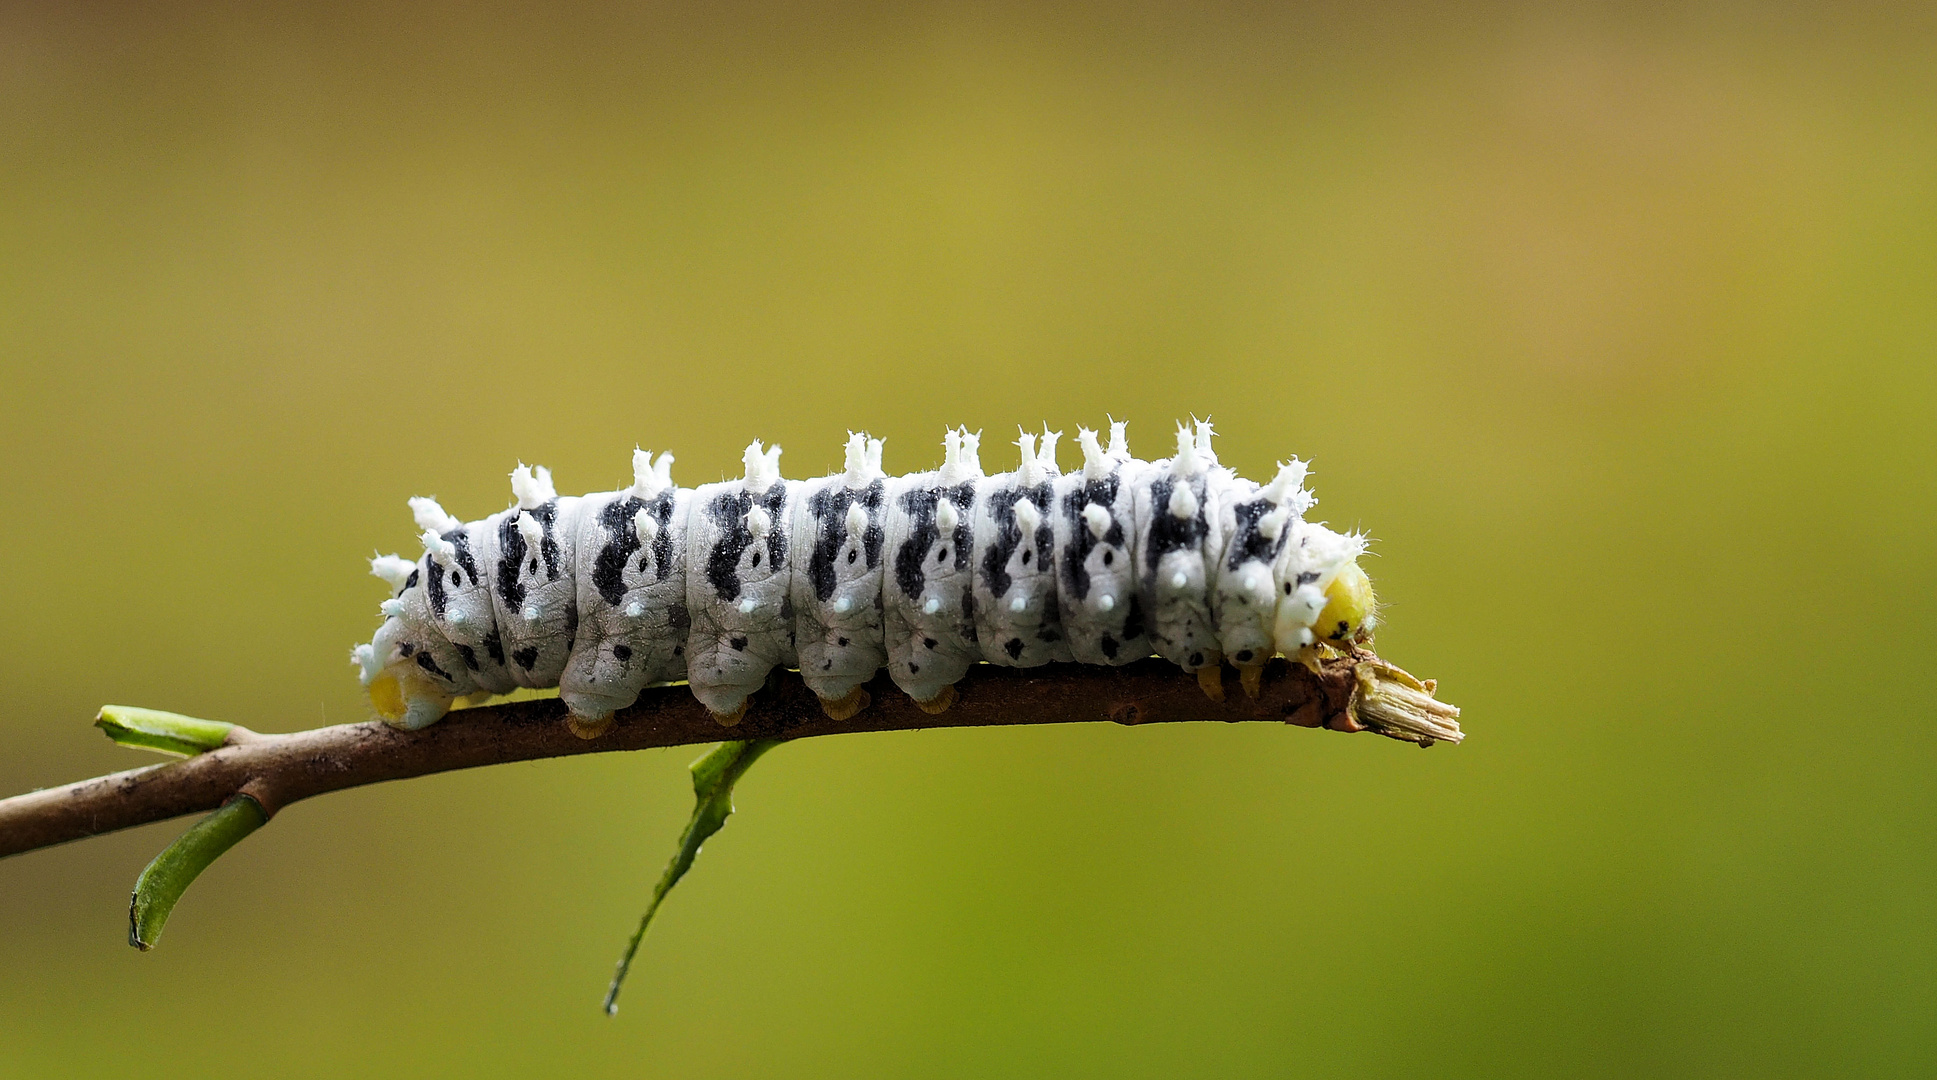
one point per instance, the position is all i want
(1390, 701)
(847, 705)
(729, 719)
(938, 704)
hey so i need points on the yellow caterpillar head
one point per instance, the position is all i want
(1326, 599)
(1351, 611)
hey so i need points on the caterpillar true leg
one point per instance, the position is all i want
(1251, 677)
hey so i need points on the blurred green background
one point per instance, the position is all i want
(1613, 324)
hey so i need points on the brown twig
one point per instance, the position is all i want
(1356, 694)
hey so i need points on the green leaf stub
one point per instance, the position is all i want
(165, 732)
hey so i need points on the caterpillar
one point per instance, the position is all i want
(928, 574)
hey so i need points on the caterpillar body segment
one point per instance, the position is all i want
(738, 583)
(839, 551)
(926, 575)
(1095, 534)
(1180, 544)
(1017, 622)
(1257, 524)
(460, 592)
(928, 596)
(529, 555)
(631, 592)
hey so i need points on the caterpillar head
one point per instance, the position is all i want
(403, 693)
(1351, 611)
(1324, 596)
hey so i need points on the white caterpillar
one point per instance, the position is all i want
(927, 574)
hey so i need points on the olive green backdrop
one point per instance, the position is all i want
(1614, 326)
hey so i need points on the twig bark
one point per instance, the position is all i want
(1355, 694)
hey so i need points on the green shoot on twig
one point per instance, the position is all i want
(165, 879)
(713, 778)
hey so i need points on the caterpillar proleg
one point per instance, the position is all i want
(926, 575)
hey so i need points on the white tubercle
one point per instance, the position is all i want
(1178, 580)
(759, 522)
(1204, 443)
(863, 465)
(1106, 602)
(1096, 464)
(1046, 454)
(1272, 525)
(441, 551)
(843, 605)
(857, 520)
(763, 469)
(650, 477)
(532, 486)
(635, 609)
(1028, 518)
(1019, 605)
(392, 608)
(1183, 502)
(645, 525)
(931, 606)
(1119, 445)
(1097, 519)
(946, 516)
(429, 515)
(531, 613)
(392, 569)
(1288, 484)
(1031, 472)
(529, 528)
(961, 456)
(748, 605)
(1187, 462)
